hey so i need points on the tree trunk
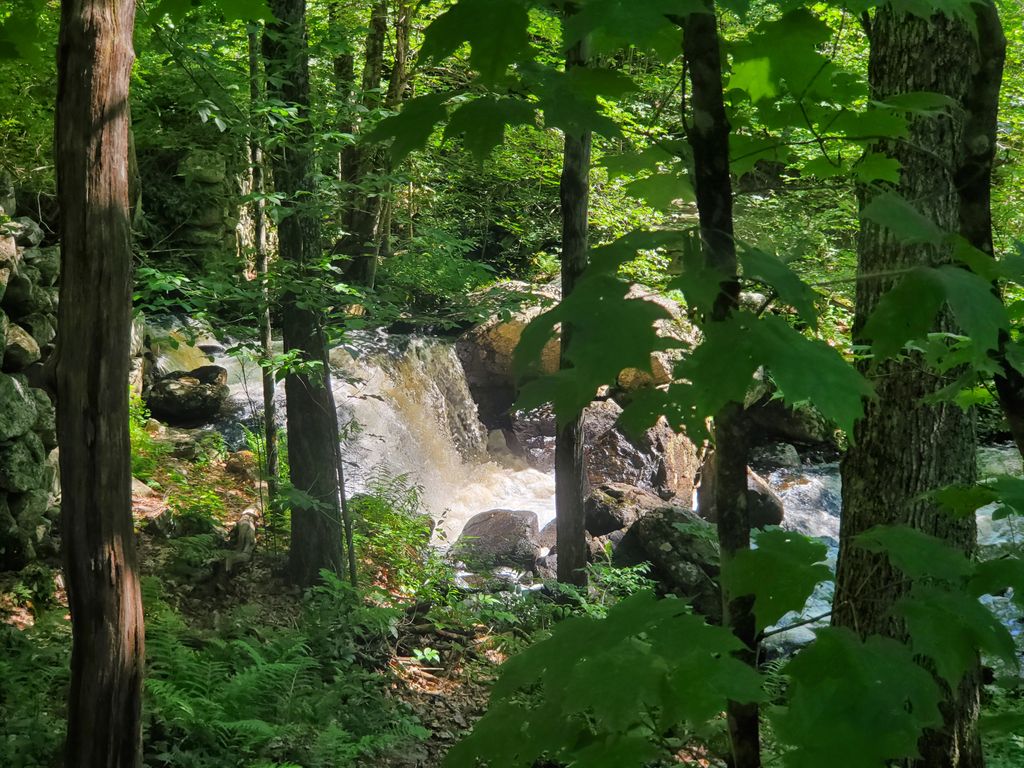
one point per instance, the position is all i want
(708, 136)
(361, 243)
(316, 537)
(270, 457)
(570, 470)
(105, 698)
(974, 182)
(904, 448)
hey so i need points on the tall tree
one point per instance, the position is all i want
(259, 236)
(316, 538)
(105, 698)
(974, 184)
(570, 469)
(905, 447)
(707, 131)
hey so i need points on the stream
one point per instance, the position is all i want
(406, 411)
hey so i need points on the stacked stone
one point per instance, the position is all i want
(29, 488)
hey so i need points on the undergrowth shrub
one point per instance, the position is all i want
(147, 453)
(34, 676)
(251, 695)
(392, 538)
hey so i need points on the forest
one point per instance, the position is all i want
(511, 383)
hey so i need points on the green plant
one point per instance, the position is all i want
(254, 695)
(34, 674)
(392, 539)
(196, 509)
(147, 453)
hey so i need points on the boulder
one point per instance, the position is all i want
(242, 464)
(9, 256)
(21, 349)
(174, 350)
(767, 458)
(659, 460)
(499, 537)
(486, 352)
(204, 167)
(189, 398)
(22, 462)
(18, 407)
(16, 548)
(45, 424)
(42, 327)
(763, 504)
(47, 262)
(774, 421)
(683, 552)
(615, 506)
(26, 232)
(21, 297)
(548, 536)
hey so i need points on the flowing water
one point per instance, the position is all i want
(405, 409)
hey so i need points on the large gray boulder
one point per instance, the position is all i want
(683, 552)
(616, 506)
(499, 537)
(22, 463)
(18, 407)
(189, 398)
(21, 350)
(659, 460)
(26, 232)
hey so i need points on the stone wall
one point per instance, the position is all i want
(29, 486)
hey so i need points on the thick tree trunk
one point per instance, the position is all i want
(570, 471)
(903, 448)
(104, 702)
(708, 135)
(316, 538)
(270, 458)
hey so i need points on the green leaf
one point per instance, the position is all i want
(978, 310)
(855, 704)
(993, 577)
(809, 370)
(796, 566)
(482, 122)
(411, 128)
(950, 627)
(917, 554)
(905, 312)
(775, 273)
(496, 30)
(906, 223)
(571, 100)
(875, 166)
(598, 350)
(616, 24)
(244, 10)
(661, 190)
(963, 500)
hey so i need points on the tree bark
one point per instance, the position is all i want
(105, 698)
(270, 447)
(974, 182)
(903, 447)
(362, 241)
(708, 136)
(570, 469)
(316, 535)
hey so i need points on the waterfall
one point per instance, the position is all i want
(404, 408)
